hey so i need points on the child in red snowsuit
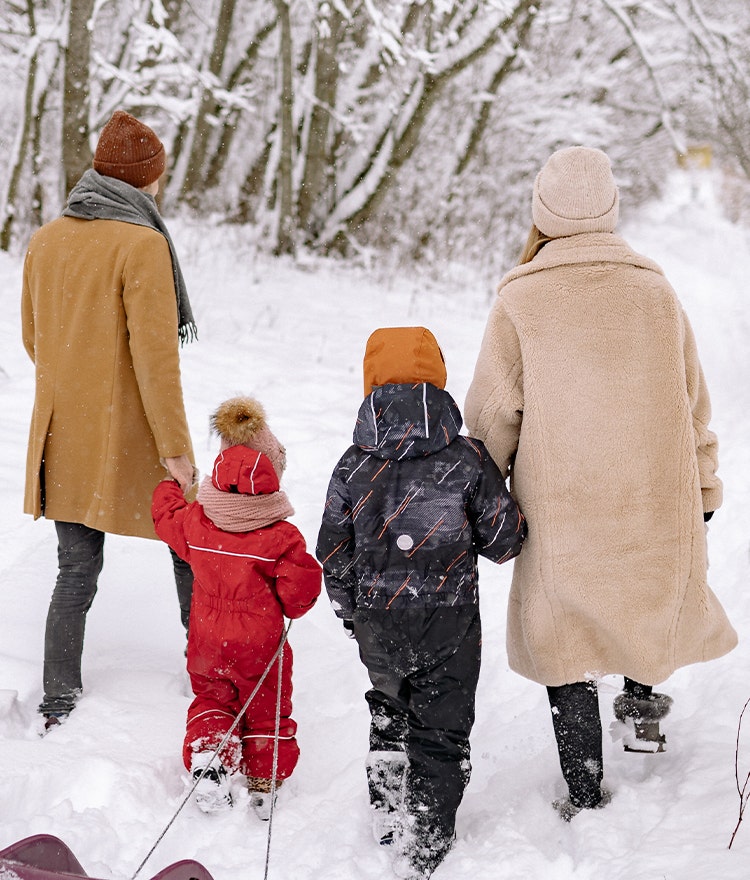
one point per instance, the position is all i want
(251, 570)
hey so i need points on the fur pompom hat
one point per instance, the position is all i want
(241, 421)
(575, 192)
(130, 151)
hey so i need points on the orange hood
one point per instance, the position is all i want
(399, 355)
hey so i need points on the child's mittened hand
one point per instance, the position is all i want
(349, 627)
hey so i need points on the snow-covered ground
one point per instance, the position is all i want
(110, 779)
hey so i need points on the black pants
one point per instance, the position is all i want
(578, 731)
(424, 667)
(80, 556)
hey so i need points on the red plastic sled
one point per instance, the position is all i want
(44, 857)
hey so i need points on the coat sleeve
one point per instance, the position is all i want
(335, 547)
(27, 310)
(498, 526)
(298, 578)
(706, 443)
(168, 511)
(151, 309)
(494, 403)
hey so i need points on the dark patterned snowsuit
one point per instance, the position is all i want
(409, 507)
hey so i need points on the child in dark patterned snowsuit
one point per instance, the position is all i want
(409, 507)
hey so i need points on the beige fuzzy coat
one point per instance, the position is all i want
(589, 392)
(99, 321)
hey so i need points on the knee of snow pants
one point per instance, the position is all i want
(205, 729)
(388, 716)
(258, 749)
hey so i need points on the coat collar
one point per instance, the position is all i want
(589, 247)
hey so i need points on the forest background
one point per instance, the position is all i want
(394, 132)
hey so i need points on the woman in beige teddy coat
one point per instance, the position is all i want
(589, 393)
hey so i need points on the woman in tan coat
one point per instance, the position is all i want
(103, 308)
(589, 393)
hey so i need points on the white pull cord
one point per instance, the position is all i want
(275, 758)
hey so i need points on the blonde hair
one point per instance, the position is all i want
(534, 243)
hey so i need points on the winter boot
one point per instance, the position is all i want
(567, 809)
(386, 772)
(53, 720)
(420, 848)
(263, 795)
(212, 792)
(642, 715)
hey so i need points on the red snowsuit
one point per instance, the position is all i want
(245, 583)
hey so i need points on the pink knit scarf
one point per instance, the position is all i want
(242, 513)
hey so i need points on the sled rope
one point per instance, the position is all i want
(278, 653)
(275, 758)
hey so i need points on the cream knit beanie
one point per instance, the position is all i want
(575, 192)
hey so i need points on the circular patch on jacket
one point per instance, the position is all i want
(404, 542)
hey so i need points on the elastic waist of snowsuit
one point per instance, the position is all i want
(236, 606)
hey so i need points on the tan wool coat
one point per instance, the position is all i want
(589, 392)
(99, 319)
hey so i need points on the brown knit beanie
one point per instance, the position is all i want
(575, 192)
(397, 355)
(241, 421)
(129, 151)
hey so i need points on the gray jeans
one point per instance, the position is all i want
(80, 554)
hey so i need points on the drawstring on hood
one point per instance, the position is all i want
(424, 410)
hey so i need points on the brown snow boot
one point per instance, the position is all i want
(642, 716)
(262, 795)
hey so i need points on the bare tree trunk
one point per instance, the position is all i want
(24, 134)
(229, 127)
(253, 183)
(76, 150)
(480, 122)
(285, 229)
(318, 160)
(37, 150)
(193, 182)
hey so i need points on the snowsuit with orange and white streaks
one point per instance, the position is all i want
(409, 507)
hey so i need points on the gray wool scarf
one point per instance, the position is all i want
(99, 197)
